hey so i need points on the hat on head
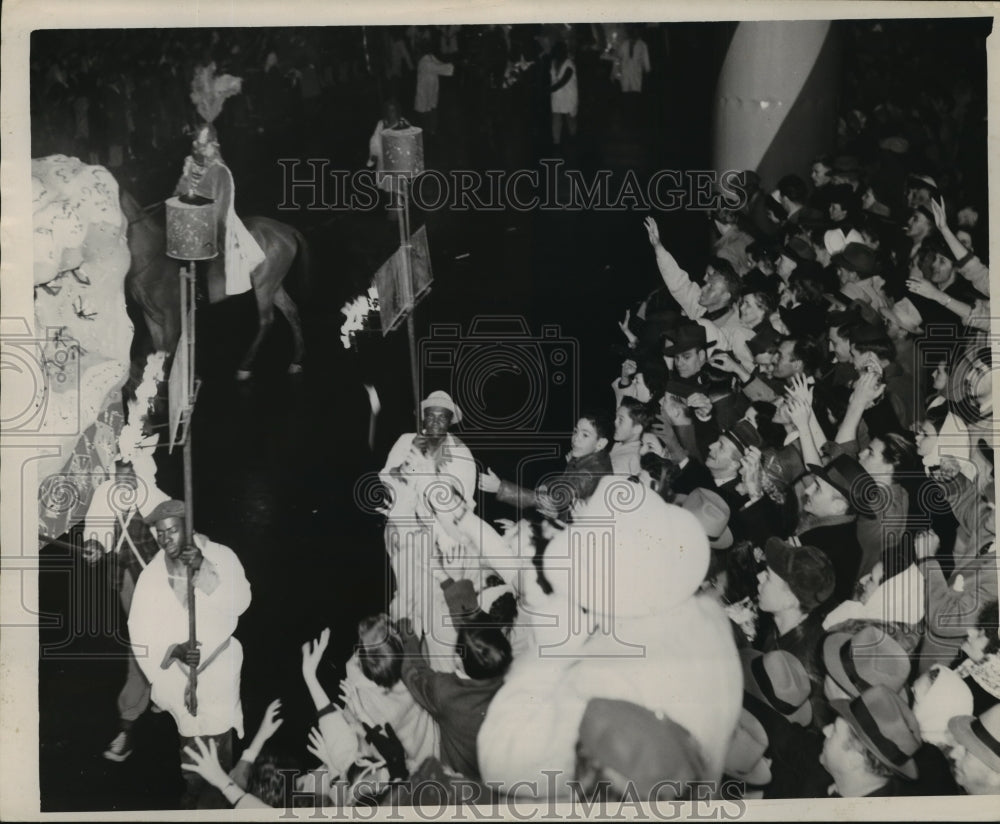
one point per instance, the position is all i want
(869, 657)
(845, 474)
(745, 756)
(764, 341)
(779, 680)
(846, 164)
(713, 514)
(836, 241)
(798, 250)
(442, 400)
(905, 315)
(660, 552)
(844, 195)
(980, 736)
(744, 434)
(166, 509)
(936, 245)
(947, 697)
(885, 725)
(915, 181)
(647, 749)
(685, 338)
(784, 465)
(807, 571)
(682, 388)
(868, 332)
(858, 258)
(756, 281)
(927, 213)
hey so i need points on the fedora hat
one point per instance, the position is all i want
(807, 571)
(845, 474)
(779, 680)
(885, 725)
(713, 514)
(869, 657)
(442, 400)
(905, 315)
(917, 181)
(798, 250)
(858, 258)
(744, 434)
(685, 338)
(980, 736)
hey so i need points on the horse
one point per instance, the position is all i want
(153, 280)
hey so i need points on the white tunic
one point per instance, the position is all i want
(159, 619)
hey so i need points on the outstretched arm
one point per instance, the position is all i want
(312, 652)
(681, 287)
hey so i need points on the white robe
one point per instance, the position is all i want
(413, 536)
(158, 620)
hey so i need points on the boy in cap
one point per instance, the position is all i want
(869, 747)
(796, 582)
(158, 629)
(829, 518)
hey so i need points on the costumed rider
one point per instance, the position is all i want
(158, 628)
(207, 178)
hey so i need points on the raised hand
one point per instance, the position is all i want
(940, 215)
(652, 230)
(800, 412)
(488, 481)
(799, 388)
(623, 325)
(271, 721)
(205, 762)
(724, 361)
(924, 288)
(674, 411)
(312, 652)
(867, 389)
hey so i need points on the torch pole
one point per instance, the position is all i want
(407, 259)
(188, 305)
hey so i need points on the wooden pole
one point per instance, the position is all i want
(407, 247)
(187, 304)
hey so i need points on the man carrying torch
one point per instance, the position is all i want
(208, 578)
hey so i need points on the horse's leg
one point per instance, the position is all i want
(287, 307)
(265, 317)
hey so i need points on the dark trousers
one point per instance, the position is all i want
(198, 793)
